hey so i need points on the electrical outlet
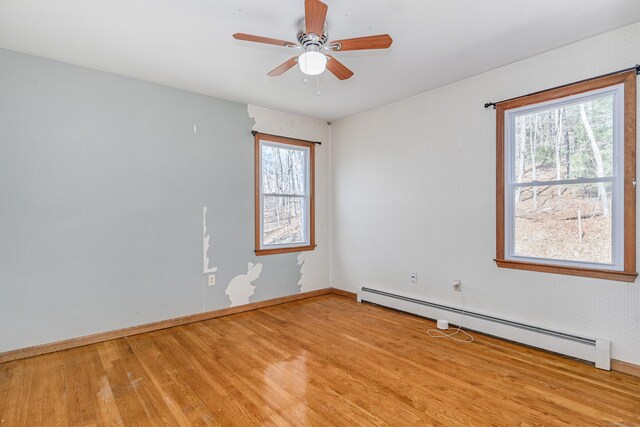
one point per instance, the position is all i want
(413, 277)
(457, 285)
(212, 279)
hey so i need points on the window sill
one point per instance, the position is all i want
(260, 252)
(620, 276)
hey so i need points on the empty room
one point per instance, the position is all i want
(319, 212)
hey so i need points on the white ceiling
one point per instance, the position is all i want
(187, 43)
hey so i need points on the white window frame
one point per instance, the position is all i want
(616, 180)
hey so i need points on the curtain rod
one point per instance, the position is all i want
(254, 132)
(624, 70)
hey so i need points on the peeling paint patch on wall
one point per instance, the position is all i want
(205, 245)
(240, 287)
(301, 261)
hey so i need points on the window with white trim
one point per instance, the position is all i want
(568, 178)
(284, 195)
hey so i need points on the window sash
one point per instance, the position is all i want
(304, 150)
(618, 126)
(305, 221)
(617, 179)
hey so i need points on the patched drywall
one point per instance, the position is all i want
(119, 197)
(206, 238)
(241, 287)
(414, 190)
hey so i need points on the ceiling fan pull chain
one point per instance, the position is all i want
(318, 80)
(306, 80)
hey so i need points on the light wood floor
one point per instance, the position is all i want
(321, 361)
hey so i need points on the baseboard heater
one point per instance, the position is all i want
(589, 349)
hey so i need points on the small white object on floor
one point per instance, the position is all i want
(443, 324)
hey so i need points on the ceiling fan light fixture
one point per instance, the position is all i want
(312, 62)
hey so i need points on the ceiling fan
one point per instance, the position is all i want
(312, 38)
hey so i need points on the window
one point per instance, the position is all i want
(566, 180)
(284, 174)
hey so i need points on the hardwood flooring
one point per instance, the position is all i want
(321, 361)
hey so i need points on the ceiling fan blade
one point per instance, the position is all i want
(338, 69)
(267, 40)
(280, 69)
(315, 13)
(381, 41)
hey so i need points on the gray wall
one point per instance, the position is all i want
(102, 185)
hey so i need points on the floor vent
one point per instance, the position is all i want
(590, 349)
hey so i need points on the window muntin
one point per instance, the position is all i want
(284, 195)
(564, 201)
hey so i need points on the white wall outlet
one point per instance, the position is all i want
(413, 277)
(457, 285)
(212, 279)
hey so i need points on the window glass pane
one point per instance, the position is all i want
(568, 142)
(283, 170)
(283, 220)
(564, 222)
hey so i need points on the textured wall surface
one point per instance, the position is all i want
(103, 181)
(414, 190)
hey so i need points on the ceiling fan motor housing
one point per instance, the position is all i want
(311, 41)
